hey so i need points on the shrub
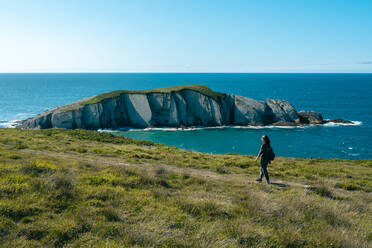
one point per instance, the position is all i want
(98, 151)
(67, 231)
(17, 212)
(13, 156)
(110, 214)
(348, 186)
(186, 176)
(36, 168)
(35, 232)
(161, 172)
(164, 183)
(81, 150)
(222, 169)
(12, 190)
(19, 145)
(112, 231)
(322, 190)
(103, 194)
(201, 208)
(61, 192)
(6, 226)
(96, 180)
(61, 182)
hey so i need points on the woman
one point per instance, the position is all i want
(264, 159)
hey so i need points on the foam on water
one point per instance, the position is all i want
(14, 123)
(334, 124)
(186, 129)
(9, 124)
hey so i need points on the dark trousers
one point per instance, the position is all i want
(264, 170)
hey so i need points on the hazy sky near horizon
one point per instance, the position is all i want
(185, 36)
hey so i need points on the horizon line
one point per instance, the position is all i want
(118, 72)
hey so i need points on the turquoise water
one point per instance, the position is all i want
(346, 96)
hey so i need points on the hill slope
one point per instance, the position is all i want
(76, 187)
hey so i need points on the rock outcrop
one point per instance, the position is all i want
(310, 117)
(184, 106)
(284, 113)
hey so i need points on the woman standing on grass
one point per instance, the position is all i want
(263, 153)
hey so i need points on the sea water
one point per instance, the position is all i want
(346, 96)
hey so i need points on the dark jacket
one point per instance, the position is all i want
(263, 151)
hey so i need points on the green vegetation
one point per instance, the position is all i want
(203, 89)
(78, 188)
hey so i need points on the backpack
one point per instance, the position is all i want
(270, 154)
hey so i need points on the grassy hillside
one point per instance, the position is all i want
(82, 188)
(203, 89)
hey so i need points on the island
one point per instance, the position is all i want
(178, 106)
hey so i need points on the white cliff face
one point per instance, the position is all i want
(283, 111)
(139, 111)
(175, 109)
(174, 120)
(114, 114)
(160, 105)
(227, 109)
(204, 110)
(182, 112)
(216, 113)
(91, 114)
(63, 120)
(40, 121)
(249, 111)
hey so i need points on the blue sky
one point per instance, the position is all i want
(186, 36)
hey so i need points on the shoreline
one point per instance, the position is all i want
(15, 123)
(173, 129)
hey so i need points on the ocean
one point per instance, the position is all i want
(345, 96)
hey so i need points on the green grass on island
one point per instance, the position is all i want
(203, 89)
(78, 188)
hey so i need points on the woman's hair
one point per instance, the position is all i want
(266, 140)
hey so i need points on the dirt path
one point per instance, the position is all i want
(200, 173)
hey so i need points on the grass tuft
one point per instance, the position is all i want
(322, 190)
(37, 168)
(110, 214)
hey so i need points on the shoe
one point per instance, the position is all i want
(268, 182)
(259, 180)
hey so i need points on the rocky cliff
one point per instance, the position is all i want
(181, 106)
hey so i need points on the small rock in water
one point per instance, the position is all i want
(341, 121)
